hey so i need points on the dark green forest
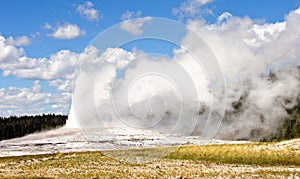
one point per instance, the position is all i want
(290, 127)
(18, 126)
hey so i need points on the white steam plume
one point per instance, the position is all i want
(245, 51)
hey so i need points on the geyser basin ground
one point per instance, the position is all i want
(73, 140)
(264, 160)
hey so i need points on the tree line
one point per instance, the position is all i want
(18, 126)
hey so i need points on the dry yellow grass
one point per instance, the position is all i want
(251, 153)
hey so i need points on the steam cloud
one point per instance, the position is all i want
(176, 96)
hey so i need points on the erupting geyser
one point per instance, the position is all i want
(185, 93)
(118, 88)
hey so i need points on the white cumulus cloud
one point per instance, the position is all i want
(192, 9)
(66, 31)
(134, 26)
(18, 41)
(59, 65)
(88, 11)
(8, 53)
(223, 17)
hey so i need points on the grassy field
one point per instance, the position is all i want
(260, 160)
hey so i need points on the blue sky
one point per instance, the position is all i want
(28, 17)
(38, 21)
